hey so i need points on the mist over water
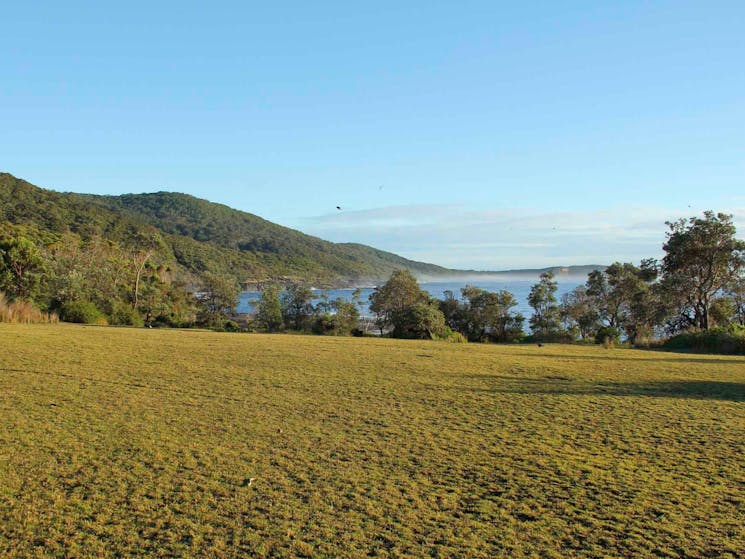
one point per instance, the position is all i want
(520, 288)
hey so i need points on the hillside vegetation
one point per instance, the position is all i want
(199, 235)
(143, 443)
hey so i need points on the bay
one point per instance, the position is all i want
(520, 288)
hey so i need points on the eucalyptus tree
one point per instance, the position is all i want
(401, 305)
(269, 308)
(21, 265)
(487, 315)
(579, 315)
(297, 306)
(702, 259)
(545, 323)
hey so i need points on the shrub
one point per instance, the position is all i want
(125, 315)
(231, 326)
(324, 324)
(730, 340)
(607, 335)
(457, 338)
(82, 312)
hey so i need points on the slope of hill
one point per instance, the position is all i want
(201, 235)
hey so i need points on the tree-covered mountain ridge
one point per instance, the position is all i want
(201, 236)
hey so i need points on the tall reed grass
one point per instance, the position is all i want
(23, 312)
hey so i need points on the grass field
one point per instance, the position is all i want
(141, 443)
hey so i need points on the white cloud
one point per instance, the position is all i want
(500, 238)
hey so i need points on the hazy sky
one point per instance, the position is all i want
(484, 135)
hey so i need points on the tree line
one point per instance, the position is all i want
(697, 286)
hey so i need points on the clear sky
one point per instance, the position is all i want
(484, 135)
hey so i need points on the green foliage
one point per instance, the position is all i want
(198, 236)
(142, 251)
(400, 292)
(296, 301)
(457, 338)
(722, 311)
(702, 259)
(625, 297)
(484, 316)
(341, 320)
(259, 249)
(727, 341)
(579, 315)
(346, 316)
(217, 299)
(21, 265)
(230, 326)
(324, 324)
(607, 335)
(82, 312)
(545, 324)
(269, 309)
(422, 320)
(401, 305)
(123, 314)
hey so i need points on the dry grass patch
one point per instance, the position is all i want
(22, 312)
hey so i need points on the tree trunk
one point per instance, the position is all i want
(140, 268)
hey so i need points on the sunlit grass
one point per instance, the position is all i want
(141, 443)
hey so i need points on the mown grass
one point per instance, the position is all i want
(140, 443)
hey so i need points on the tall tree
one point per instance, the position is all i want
(454, 312)
(623, 297)
(217, 300)
(21, 265)
(400, 292)
(401, 304)
(489, 316)
(579, 313)
(702, 258)
(422, 320)
(546, 320)
(346, 316)
(297, 306)
(269, 309)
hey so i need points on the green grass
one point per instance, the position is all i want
(139, 443)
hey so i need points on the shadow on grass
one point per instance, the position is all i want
(614, 356)
(702, 390)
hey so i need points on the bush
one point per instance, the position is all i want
(125, 315)
(82, 312)
(730, 340)
(231, 326)
(457, 338)
(607, 335)
(324, 324)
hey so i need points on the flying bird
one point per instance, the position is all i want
(338, 207)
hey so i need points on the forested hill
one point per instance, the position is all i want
(199, 235)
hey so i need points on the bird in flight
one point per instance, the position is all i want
(338, 207)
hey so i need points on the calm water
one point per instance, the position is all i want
(519, 288)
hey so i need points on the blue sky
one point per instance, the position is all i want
(485, 135)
